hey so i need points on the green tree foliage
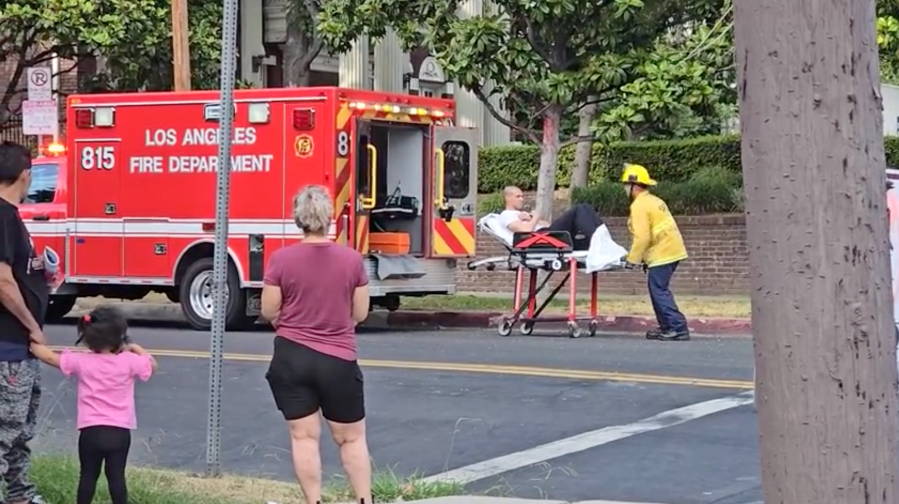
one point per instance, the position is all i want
(684, 87)
(550, 55)
(134, 36)
(888, 40)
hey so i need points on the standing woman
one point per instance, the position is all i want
(314, 293)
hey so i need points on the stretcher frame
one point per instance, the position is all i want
(550, 251)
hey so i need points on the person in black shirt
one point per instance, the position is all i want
(24, 297)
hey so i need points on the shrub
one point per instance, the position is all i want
(490, 203)
(709, 190)
(667, 161)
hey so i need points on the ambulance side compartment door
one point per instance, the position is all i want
(97, 226)
(454, 190)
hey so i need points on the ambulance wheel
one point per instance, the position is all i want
(526, 328)
(504, 328)
(59, 307)
(573, 330)
(196, 297)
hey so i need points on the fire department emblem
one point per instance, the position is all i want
(303, 146)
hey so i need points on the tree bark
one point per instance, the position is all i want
(814, 175)
(549, 161)
(296, 71)
(583, 154)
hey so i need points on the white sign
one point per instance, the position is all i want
(40, 84)
(40, 117)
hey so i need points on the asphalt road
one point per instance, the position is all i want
(441, 400)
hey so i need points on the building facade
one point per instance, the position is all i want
(383, 66)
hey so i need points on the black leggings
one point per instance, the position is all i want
(103, 444)
(579, 219)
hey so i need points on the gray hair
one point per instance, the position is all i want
(312, 210)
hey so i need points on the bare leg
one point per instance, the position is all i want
(307, 461)
(354, 456)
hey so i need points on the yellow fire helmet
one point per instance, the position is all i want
(636, 174)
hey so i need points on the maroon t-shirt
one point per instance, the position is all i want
(317, 281)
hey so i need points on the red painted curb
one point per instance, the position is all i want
(607, 323)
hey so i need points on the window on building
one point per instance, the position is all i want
(44, 178)
(427, 92)
(456, 170)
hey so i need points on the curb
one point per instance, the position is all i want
(607, 323)
(475, 320)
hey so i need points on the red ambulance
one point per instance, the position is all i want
(130, 205)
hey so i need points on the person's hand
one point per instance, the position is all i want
(135, 348)
(38, 337)
(524, 216)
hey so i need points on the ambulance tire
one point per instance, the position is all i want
(59, 307)
(235, 317)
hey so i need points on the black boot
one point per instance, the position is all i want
(653, 334)
(672, 335)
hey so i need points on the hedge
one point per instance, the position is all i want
(667, 161)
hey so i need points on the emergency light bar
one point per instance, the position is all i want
(397, 109)
(100, 117)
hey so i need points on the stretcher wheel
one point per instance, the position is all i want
(593, 327)
(526, 328)
(472, 266)
(504, 328)
(573, 330)
(556, 265)
(491, 267)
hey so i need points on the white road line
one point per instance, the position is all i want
(588, 440)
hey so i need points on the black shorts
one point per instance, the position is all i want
(304, 381)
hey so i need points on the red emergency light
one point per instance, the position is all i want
(101, 117)
(84, 118)
(304, 119)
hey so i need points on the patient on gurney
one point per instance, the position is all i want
(594, 247)
(580, 220)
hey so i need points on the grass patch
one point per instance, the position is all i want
(56, 477)
(692, 306)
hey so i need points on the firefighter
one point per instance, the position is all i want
(658, 247)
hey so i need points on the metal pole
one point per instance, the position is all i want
(220, 259)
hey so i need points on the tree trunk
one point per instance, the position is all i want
(296, 73)
(813, 168)
(583, 154)
(549, 159)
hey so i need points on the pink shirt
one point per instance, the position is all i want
(317, 281)
(106, 386)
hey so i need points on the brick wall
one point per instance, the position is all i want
(718, 263)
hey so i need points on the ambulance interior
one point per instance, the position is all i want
(396, 225)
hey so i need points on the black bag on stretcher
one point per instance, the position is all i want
(396, 207)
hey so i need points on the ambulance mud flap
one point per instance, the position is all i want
(398, 266)
(256, 267)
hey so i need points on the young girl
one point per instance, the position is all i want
(106, 415)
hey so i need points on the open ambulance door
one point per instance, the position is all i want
(454, 191)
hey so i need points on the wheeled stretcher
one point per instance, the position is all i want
(551, 251)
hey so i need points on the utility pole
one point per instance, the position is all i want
(816, 218)
(180, 45)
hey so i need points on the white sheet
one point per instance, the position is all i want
(603, 253)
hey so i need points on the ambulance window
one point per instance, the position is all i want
(457, 169)
(43, 183)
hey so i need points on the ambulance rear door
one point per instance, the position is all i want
(454, 191)
(96, 225)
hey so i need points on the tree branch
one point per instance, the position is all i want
(28, 40)
(531, 134)
(579, 139)
(535, 43)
